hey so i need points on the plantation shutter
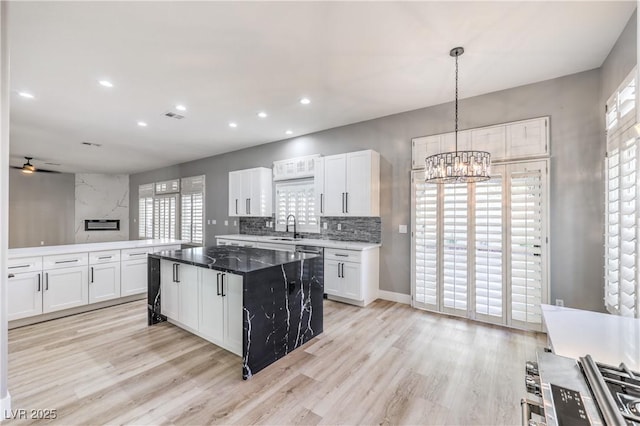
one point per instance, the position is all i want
(164, 216)
(297, 198)
(454, 267)
(489, 248)
(527, 184)
(425, 243)
(628, 214)
(192, 209)
(145, 211)
(612, 233)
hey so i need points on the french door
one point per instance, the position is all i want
(479, 250)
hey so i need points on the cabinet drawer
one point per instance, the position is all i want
(342, 255)
(106, 256)
(65, 260)
(132, 254)
(24, 264)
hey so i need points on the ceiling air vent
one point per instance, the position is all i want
(171, 114)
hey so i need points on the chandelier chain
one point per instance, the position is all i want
(456, 131)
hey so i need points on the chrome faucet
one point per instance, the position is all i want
(295, 233)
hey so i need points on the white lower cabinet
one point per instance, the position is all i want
(179, 292)
(64, 288)
(104, 282)
(351, 276)
(220, 308)
(24, 290)
(133, 277)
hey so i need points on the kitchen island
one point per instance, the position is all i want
(257, 303)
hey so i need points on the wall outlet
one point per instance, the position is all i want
(325, 226)
(213, 221)
(339, 227)
(559, 302)
(226, 223)
(41, 243)
(402, 229)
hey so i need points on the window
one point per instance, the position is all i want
(145, 211)
(297, 198)
(480, 249)
(622, 216)
(192, 209)
(165, 207)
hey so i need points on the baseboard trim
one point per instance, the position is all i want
(5, 407)
(394, 297)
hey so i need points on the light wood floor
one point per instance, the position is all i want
(385, 364)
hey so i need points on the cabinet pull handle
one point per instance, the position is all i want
(321, 203)
(346, 202)
(341, 255)
(218, 283)
(46, 281)
(104, 257)
(173, 278)
(92, 274)
(236, 206)
(66, 261)
(247, 206)
(137, 254)
(342, 270)
(38, 281)
(343, 202)
(177, 272)
(338, 269)
(223, 275)
(19, 266)
(11, 276)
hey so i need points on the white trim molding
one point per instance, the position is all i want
(394, 297)
(5, 407)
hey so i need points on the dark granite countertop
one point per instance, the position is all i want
(239, 260)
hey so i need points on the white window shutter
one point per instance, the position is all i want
(454, 247)
(297, 198)
(489, 248)
(192, 209)
(612, 233)
(425, 199)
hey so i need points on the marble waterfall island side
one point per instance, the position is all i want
(277, 306)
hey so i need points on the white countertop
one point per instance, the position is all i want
(86, 247)
(345, 245)
(609, 339)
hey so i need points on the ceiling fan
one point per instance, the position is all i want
(28, 168)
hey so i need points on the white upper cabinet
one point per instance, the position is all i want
(510, 141)
(352, 184)
(318, 182)
(250, 192)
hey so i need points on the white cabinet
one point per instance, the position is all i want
(220, 309)
(250, 192)
(133, 271)
(352, 184)
(179, 292)
(24, 291)
(318, 182)
(104, 275)
(351, 276)
(65, 281)
(527, 138)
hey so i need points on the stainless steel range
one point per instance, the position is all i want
(583, 392)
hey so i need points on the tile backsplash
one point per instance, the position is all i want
(364, 229)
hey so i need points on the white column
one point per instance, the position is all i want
(5, 397)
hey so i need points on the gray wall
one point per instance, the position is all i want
(620, 61)
(41, 208)
(576, 175)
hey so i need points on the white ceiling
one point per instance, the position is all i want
(228, 60)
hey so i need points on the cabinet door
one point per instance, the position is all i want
(235, 193)
(318, 182)
(24, 293)
(169, 296)
(233, 312)
(133, 277)
(188, 277)
(65, 288)
(334, 184)
(248, 183)
(491, 139)
(527, 138)
(351, 287)
(332, 279)
(104, 282)
(358, 188)
(211, 311)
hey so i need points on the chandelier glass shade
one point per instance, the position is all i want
(458, 166)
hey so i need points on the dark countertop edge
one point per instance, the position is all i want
(218, 268)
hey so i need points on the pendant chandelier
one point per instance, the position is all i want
(458, 166)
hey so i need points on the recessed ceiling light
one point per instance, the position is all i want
(181, 107)
(288, 132)
(105, 83)
(26, 95)
(262, 114)
(305, 101)
(142, 124)
(233, 124)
